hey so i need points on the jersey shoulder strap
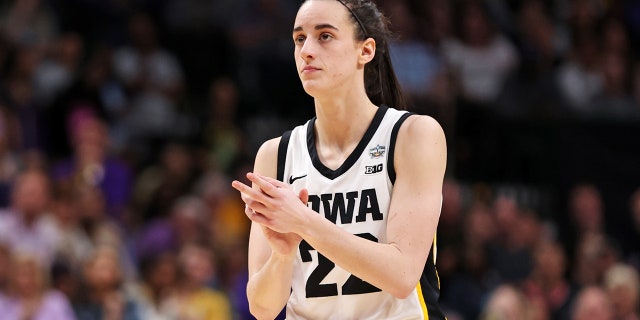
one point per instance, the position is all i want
(282, 154)
(391, 168)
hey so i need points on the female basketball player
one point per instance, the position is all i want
(345, 207)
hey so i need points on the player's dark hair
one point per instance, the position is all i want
(380, 78)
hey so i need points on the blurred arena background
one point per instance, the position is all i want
(122, 123)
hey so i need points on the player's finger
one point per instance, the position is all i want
(249, 195)
(275, 182)
(266, 187)
(243, 188)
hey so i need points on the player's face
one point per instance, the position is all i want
(326, 51)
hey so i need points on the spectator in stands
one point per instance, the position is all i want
(154, 79)
(586, 208)
(160, 184)
(82, 224)
(578, 77)
(234, 276)
(416, 63)
(437, 24)
(90, 207)
(94, 89)
(197, 297)
(104, 295)
(24, 226)
(433, 22)
(585, 213)
(187, 222)
(224, 210)
(17, 92)
(474, 276)
(592, 302)
(530, 90)
(224, 141)
(75, 244)
(518, 229)
(29, 22)
(58, 68)
(481, 57)
(547, 282)
(29, 295)
(615, 102)
(66, 279)
(264, 56)
(506, 302)
(480, 225)
(156, 294)
(92, 164)
(623, 287)
(582, 18)
(595, 254)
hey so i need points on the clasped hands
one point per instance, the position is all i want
(272, 203)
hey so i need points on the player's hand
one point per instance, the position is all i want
(273, 203)
(280, 242)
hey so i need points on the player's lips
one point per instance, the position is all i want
(309, 69)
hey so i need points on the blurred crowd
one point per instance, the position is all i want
(122, 124)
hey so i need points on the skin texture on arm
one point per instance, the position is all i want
(396, 266)
(270, 271)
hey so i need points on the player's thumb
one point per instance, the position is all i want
(304, 196)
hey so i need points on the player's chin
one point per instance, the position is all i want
(312, 88)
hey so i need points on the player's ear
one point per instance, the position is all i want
(367, 50)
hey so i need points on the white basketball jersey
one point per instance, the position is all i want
(355, 197)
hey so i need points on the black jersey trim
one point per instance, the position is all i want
(430, 286)
(391, 168)
(355, 154)
(282, 154)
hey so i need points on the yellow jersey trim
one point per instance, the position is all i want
(423, 305)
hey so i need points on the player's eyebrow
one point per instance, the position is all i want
(318, 27)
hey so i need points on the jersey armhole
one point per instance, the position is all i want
(391, 169)
(282, 154)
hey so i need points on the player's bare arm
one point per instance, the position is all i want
(269, 269)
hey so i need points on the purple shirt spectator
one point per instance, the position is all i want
(157, 237)
(53, 306)
(112, 176)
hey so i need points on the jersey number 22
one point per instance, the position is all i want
(314, 286)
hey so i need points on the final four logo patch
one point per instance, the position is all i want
(377, 151)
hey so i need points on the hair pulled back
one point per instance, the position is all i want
(380, 80)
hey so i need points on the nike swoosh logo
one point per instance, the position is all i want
(292, 178)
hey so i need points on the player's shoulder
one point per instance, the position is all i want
(420, 128)
(269, 149)
(421, 143)
(270, 145)
(267, 158)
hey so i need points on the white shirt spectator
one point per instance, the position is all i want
(39, 239)
(579, 85)
(481, 70)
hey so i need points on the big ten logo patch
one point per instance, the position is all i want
(373, 169)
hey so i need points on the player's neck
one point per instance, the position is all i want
(341, 123)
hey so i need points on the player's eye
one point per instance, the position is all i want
(299, 39)
(326, 36)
